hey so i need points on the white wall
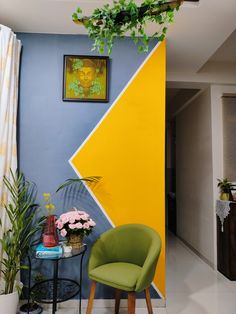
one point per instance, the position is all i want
(229, 138)
(217, 91)
(194, 176)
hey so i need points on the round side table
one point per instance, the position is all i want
(56, 289)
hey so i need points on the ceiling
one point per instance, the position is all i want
(227, 51)
(199, 29)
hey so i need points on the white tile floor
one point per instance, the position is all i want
(193, 287)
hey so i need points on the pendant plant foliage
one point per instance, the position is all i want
(111, 21)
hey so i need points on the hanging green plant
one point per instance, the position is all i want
(112, 21)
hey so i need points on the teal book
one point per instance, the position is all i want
(46, 252)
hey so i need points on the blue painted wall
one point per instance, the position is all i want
(51, 130)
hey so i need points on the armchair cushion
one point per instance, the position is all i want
(119, 275)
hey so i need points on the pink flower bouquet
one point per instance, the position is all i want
(75, 222)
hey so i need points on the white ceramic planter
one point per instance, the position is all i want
(9, 302)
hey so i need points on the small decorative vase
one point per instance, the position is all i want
(75, 240)
(50, 236)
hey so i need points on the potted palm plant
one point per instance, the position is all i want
(225, 188)
(21, 211)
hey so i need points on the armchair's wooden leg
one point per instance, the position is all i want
(91, 297)
(131, 302)
(148, 301)
(117, 297)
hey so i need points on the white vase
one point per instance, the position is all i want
(9, 302)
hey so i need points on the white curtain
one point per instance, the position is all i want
(10, 49)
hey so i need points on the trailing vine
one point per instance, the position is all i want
(112, 21)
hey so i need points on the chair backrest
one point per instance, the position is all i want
(127, 243)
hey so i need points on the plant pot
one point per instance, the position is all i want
(224, 196)
(75, 240)
(9, 302)
(122, 16)
(34, 308)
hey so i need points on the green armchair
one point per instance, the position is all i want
(125, 258)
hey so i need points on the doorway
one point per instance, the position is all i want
(176, 100)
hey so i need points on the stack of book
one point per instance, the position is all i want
(48, 252)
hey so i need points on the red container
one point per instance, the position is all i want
(50, 236)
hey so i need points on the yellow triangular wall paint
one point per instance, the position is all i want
(127, 148)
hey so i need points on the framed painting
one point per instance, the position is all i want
(85, 78)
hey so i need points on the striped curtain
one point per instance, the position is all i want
(10, 49)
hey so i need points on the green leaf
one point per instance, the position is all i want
(164, 30)
(161, 37)
(78, 182)
(140, 49)
(74, 16)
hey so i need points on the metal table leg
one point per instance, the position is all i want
(55, 277)
(80, 281)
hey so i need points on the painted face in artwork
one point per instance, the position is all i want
(86, 76)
